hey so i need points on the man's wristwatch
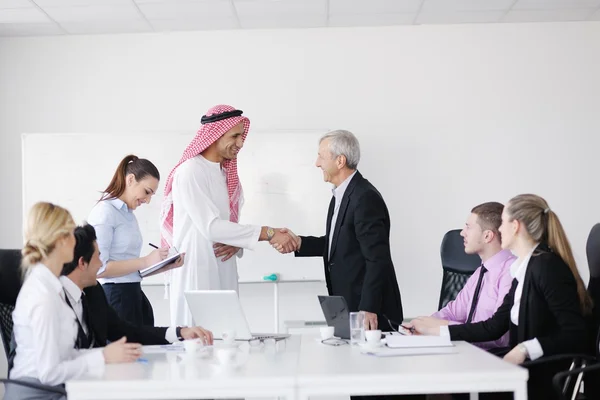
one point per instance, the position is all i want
(270, 233)
(178, 333)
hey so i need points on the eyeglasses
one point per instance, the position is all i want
(262, 341)
(334, 342)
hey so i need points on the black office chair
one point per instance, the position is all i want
(588, 369)
(10, 284)
(458, 266)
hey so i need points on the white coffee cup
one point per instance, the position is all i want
(191, 345)
(228, 336)
(226, 356)
(327, 332)
(373, 337)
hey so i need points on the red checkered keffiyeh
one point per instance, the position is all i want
(208, 133)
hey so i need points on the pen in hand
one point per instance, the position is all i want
(156, 247)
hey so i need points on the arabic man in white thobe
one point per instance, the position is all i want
(203, 198)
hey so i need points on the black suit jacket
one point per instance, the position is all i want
(360, 267)
(549, 310)
(107, 324)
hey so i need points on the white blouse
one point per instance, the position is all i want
(45, 332)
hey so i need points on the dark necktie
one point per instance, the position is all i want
(476, 295)
(83, 341)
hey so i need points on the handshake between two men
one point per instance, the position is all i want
(284, 241)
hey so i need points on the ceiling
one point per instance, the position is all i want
(62, 17)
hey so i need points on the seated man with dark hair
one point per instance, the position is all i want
(97, 321)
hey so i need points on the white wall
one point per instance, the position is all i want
(453, 102)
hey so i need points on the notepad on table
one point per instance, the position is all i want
(402, 341)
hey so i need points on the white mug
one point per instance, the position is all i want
(327, 332)
(228, 336)
(373, 337)
(191, 345)
(226, 356)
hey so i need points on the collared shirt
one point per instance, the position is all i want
(119, 236)
(518, 271)
(74, 296)
(45, 332)
(75, 293)
(338, 193)
(495, 285)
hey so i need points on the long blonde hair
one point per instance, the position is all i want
(46, 224)
(543, 226)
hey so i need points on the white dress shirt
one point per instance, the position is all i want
(74, 293)
(45, 331)
(74, 296)
(338, 193)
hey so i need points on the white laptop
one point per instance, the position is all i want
(219, 311)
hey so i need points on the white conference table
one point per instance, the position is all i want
(328, 370)
(299, 368)
(268, 371)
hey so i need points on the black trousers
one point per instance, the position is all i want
(130, 303)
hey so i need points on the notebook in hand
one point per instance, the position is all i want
(159, 265)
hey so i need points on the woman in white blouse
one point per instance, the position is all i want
(44, 326)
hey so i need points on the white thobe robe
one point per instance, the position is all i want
(201, 219)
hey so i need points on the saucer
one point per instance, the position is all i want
(368, 345)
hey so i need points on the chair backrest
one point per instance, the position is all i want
(6, 326)
(10, 275)
(593, 288)
(458, 266)
(10, 284)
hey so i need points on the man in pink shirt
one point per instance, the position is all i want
(485, 290)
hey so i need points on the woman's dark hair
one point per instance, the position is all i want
(139, 167)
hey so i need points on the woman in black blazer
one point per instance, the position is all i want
(545, 307)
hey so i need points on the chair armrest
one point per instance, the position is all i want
(559, 357)
(561, 376)
(33, 385)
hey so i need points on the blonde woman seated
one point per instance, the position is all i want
(45, 327)
(544, 310)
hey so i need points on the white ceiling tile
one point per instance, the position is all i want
(283, 22)
(554, 4)
(180, 1)
(466, 5)
(199, 9)
(15, 4)
(547, 15)
(595, 16)
(99, 27)
(371, 20)
(71, 3)
(460, 17)
(18, 15)
(194, 24)
(40, 29)
(362, 7)
(94, 13)
(266, 8)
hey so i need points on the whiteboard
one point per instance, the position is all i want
(282, 186)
